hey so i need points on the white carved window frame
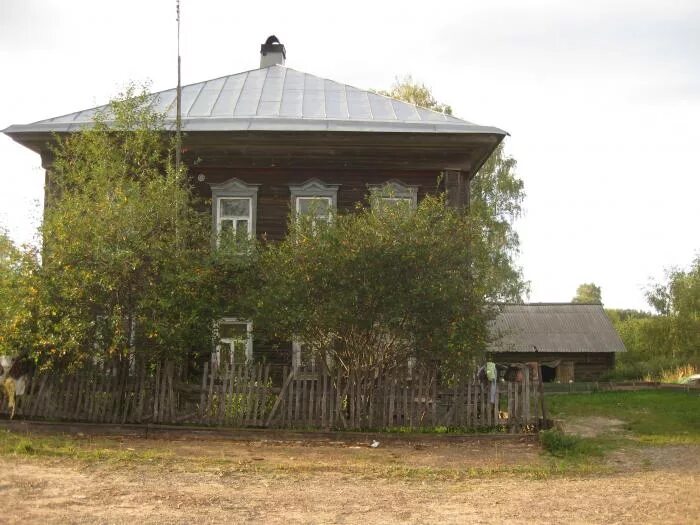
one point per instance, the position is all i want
(395, 191)
(314, 189)
(234, 189)
(216, 354)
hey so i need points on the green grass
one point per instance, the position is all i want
(567, 446)
(60, 446)
(651, 416)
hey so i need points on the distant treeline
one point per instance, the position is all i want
(660, 343)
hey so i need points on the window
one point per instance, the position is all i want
(234, 207)
(394, 192)
(319, 208)
(302, 358)
(315, 198)
(235, 343)
(234, 215)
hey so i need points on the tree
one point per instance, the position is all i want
(18, 297)
(496, 197)
(677, 298)
(588, 293)
(372, 288)
(668, 338)
(126, 252)
(414, 92)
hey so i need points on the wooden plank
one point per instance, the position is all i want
(215, 372)
(290, 399)
(496, 406)
(80, 395)
(252, 380)
(526, 399)
(392, 402)
(256, 388)
(130, 386)
(283, 391)
(156, 393)
(324, 397)
(341, 395)
(203, 391)
(162, 391)
(72, 396)
(143, 391)
(118, 397)
(226, 377)
(104, 395)
(434, 399)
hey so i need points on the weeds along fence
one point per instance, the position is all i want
(245, 396)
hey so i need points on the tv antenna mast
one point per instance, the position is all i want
(178, 115)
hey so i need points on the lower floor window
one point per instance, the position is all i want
(235, 343)
(303, 358)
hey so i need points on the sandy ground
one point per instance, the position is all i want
(295, 482)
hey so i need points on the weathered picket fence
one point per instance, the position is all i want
(244, 396)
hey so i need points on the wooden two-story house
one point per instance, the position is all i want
(275, 140)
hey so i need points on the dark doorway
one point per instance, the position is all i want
(549, 374)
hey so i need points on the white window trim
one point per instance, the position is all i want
(234, 189)
(314, 218)
(298, 350)
(394, 191)
(314, 189)
(216, 354)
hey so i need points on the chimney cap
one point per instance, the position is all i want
(273, 45)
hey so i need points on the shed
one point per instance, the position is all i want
(572, 341)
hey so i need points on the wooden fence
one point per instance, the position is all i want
(244, 396)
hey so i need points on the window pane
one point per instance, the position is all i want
(238, 351)
(235, 207)
(233, 331)
(317, 206)
(226, 225)
(398, 201)
(241, 227)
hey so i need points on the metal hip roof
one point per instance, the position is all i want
(278, 98)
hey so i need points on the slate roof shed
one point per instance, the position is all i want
(581, 336)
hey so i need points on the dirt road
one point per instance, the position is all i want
(263, 482)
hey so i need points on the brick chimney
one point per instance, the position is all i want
(272, 52)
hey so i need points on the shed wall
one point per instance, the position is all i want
(588, 366)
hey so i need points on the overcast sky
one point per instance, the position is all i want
(601, 98)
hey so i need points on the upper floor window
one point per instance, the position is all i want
(316, 199)
(318, 208)
(235, 215)
(234, 207)
(394, 192)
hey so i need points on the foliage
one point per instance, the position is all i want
(496, 201)
(125, 252)
(372, 288)
(496, 196)
(417, 93)
(678, 300)
(588, 293)
(662, 342)
(18, 297)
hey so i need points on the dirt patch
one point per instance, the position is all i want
(298, 482)
(592, 426)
